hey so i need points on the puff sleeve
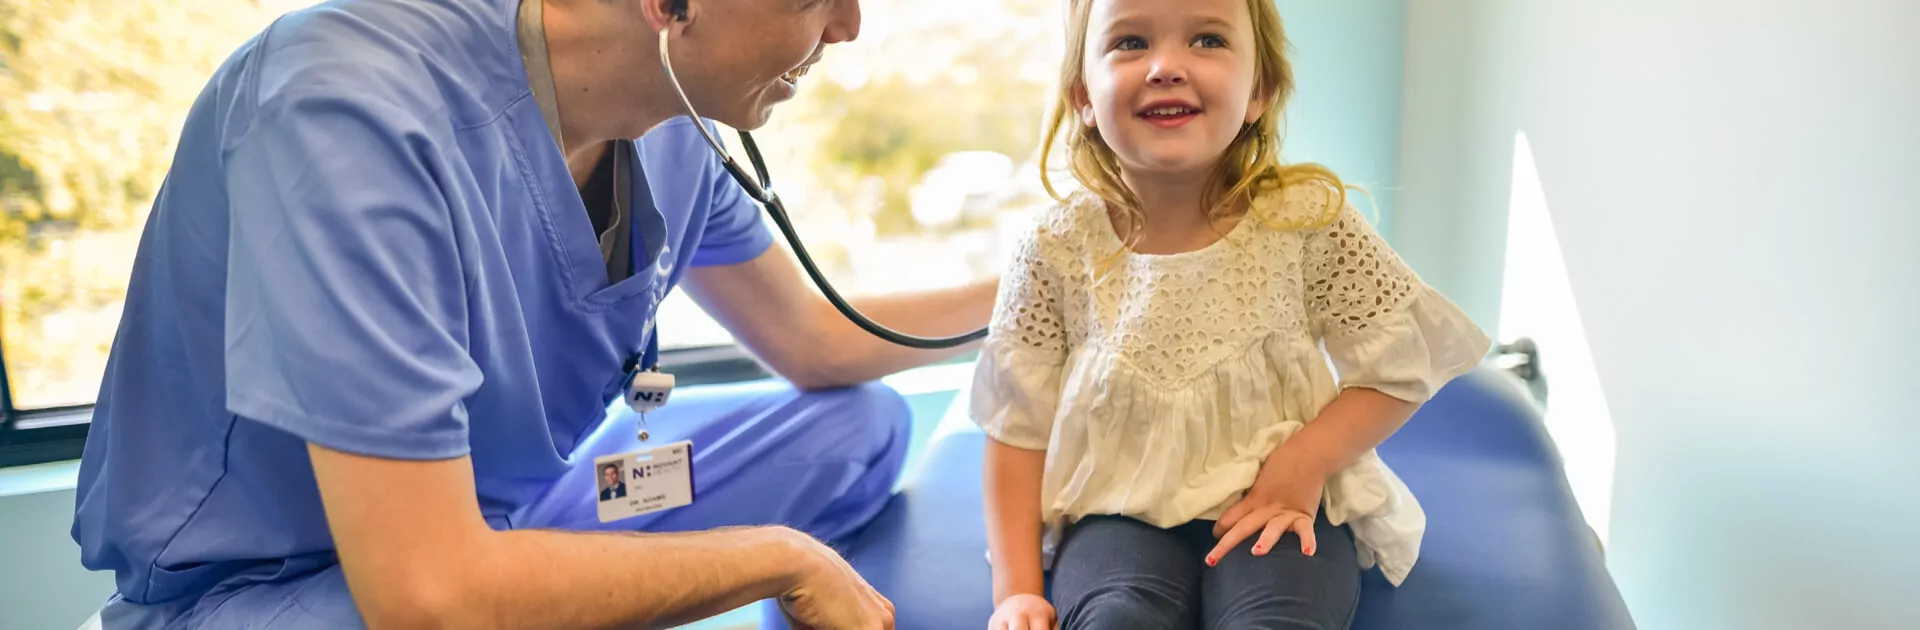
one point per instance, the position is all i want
(1016, 383)
(1383, 328)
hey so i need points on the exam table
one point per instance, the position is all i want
(1506, 546)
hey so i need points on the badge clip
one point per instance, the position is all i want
(648, 390)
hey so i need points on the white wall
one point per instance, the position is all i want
(1733, 186)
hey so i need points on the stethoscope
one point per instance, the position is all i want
(762, 191)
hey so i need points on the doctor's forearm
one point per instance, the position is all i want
(417, 553)
(851, 355)
(775, 312)
(542, 579)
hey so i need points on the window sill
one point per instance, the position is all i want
(721, 365)
(38, 478)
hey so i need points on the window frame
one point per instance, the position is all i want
(42, 436)
(37, 436)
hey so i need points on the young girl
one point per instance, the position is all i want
(1166, 429)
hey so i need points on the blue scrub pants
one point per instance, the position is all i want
(764, 453)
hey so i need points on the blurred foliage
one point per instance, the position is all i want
(94, 94)
(928, 78)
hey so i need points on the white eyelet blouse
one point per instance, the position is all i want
(1159, 391)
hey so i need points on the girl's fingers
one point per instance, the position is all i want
(1270, 536)
(1230, 518)
(1241, 531)
(1303, 525)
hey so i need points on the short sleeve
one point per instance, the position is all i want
(346, 301)
(734, 231)
(1016, 385)
(1382, 327)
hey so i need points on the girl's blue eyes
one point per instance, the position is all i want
(1136, 43)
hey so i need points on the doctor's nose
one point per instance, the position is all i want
(845, 24)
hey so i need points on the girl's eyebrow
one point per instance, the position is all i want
(1138, 20)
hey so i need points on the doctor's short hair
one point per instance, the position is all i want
(1252, 163)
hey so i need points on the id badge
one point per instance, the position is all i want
(642, 482)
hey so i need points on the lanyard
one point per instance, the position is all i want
(647, 387)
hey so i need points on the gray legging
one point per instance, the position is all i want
(1115, 573)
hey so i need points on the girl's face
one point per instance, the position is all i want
(1169, 83)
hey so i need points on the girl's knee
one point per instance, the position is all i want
(1124, 609)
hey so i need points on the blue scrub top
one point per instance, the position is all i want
(369, 240)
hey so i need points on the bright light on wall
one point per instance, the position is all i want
(1537, 302)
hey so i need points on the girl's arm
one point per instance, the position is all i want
(1285, 496)
(1394, 342)
(1015, 397)
(1012, 483)
(1356, 422)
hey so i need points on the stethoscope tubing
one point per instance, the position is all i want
(761, 191)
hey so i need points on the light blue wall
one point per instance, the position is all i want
(1733, 190)
(41, 582)
(1346, 114)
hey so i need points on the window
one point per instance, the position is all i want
(907, 161)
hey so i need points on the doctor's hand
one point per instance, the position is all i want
(1285, 497)
(1022, 612)
(829, 595)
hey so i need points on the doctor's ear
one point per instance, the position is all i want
(662, 14)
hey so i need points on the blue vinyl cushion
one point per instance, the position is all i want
(1506, 546)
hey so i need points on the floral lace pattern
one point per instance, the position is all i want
(1175, 316)
(1354, 278)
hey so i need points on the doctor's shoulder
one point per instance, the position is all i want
(422, 61)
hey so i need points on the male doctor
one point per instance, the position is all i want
(406, 257)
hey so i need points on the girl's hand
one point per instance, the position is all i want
(1022, 612)
(1285, 497)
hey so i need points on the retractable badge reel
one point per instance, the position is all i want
(647, 391)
